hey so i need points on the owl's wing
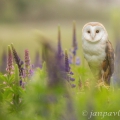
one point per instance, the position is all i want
(108, 63)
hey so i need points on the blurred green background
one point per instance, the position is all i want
(21, 20)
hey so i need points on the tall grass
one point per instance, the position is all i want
(56, 89)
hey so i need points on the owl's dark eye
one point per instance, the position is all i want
(97, 31)
(88, 31)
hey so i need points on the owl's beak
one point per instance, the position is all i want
(92, 36)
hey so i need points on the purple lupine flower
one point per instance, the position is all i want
(60, 52)
(21, 82)
(74, 45)
(55, 73)
(37, 61)
(77, 60)
(10, 67)
(27, 63)
(18, 61)
(74, 59)
(56, 79)
(72, 79)
(73, 85)
(70, 59)
(28, 67)
(31, 72)
(59, 41)
(3, 62)
(71, 73)
(68, 71)
(67, 67)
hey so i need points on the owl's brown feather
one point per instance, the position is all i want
(108, 63)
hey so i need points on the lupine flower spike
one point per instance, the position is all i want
(28, 67)
(10, 67)
(60, 55)
(60, 52)
(52, 65)
(67, 69)
(59, 40)
(19, 63)
(73, 59)
(74, 45)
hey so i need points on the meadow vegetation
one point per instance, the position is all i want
(43, 73)
(59, 86)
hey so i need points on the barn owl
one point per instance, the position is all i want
(98, 51)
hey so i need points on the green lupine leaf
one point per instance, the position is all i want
(7, 94)
(3, 78)
(11, 78)
(17, 78)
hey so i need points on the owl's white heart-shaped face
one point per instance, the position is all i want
(94, 32)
